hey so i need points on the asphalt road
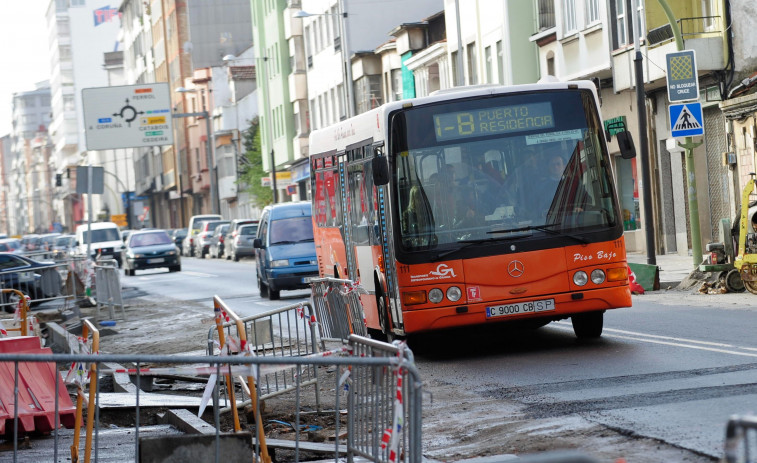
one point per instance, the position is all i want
(673, 368)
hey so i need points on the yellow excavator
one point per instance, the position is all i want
(746, 259)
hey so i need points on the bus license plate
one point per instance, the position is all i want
(543, 305)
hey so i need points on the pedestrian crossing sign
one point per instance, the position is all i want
(686, 120)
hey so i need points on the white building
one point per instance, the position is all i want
(79, 33)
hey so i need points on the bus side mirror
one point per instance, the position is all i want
(625, 142)
(380, 170)
(257, 243)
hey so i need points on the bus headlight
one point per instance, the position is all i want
(580, 278)
(597, 277)
(435, 295)
(454, 294)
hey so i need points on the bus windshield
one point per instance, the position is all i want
(496, 168)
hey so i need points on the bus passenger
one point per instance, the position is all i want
(416, 218)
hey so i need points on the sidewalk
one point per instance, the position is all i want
(673, 267)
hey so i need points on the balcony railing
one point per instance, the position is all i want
(689, 27)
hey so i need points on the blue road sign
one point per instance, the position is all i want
(686, 119)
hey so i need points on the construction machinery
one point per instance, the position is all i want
(746, 259)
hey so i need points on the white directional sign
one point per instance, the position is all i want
(128, 116)
(686, 120)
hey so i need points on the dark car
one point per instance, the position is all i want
(218, 241)
(147, 249)
(36, 279)
(178, 236)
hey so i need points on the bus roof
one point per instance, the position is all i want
(370, 124)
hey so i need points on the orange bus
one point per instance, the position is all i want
(474, 206)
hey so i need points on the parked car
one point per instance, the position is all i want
(65, 245)
(146, 249)
(178, 236)
(11, 245)
(202, 245)
(36, 279)
(218, 241)
(285, 247)
(31, 243)
(188, 246)
(242, 244)
(47, 241)
(234, 231)
(106, 240)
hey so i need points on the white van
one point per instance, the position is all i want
(106, 240)
(188, 245)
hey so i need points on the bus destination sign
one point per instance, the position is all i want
(492, 121)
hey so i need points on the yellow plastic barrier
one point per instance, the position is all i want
(220, 308)
(86, 329)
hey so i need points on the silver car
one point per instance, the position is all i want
(241, 245)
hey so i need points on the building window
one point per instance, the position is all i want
(453, 64)
(621, 11)
(500, 63)
(472, 65)
(368, 93)
(488, 61)
(546, 14)
(569, 16)
(592, 12)
(396, 84)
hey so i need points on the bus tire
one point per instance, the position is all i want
(588, 325)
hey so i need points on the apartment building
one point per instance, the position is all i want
(30, 176)
(79, 33)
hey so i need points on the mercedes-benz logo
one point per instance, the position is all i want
(516, 268)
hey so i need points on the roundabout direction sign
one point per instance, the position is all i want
(129, 116)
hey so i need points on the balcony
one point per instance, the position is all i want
(703, 34)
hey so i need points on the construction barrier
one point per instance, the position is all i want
(33, 399)
(376, 393)
(338, 308)
(288, 331)
(741, 439)
(81, 374)
(108, 288)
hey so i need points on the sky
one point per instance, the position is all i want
(23, 51)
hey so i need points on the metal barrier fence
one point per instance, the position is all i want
(741, 439)
(378, 381)
(288, 331)
(108, 288)
(338, 308)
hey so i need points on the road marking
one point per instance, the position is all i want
(669, 341)
(185, 273)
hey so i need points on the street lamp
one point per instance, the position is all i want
(345, 51)
(269, 122)
(208, 148)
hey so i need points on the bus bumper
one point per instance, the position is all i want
(566, 304)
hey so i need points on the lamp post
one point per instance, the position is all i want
(208, 148)
(345, 52)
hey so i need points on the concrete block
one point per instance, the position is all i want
(187, 422)
(181, 449)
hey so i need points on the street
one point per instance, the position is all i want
(663, 379)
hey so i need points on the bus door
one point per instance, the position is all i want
(364, 219)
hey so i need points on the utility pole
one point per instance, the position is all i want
(688, 145)
(646, 177)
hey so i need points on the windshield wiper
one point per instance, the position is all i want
(469, 243)
(547, 228)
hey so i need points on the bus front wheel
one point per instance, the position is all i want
(588, 325)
